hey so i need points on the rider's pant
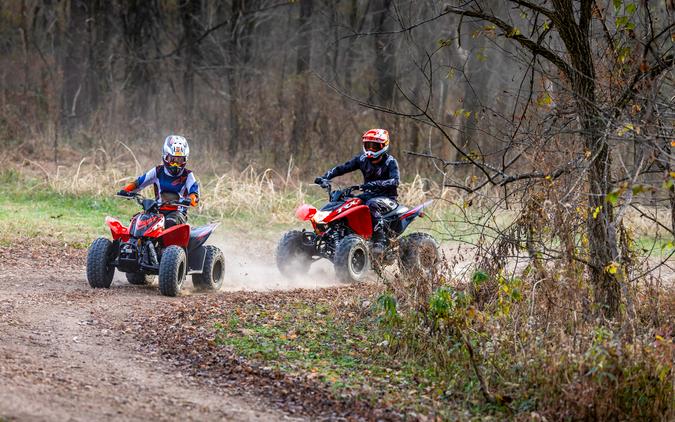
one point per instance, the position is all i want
(378, 205)
(173, 218)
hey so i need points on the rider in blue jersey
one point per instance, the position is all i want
(170, 181)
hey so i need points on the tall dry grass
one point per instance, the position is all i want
(259, 194)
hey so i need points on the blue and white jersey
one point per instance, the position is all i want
(183, 184)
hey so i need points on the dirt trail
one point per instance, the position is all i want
(58, 363)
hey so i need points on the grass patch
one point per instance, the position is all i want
(343, 348)
(418, 361)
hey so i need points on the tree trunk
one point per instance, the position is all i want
(138, 18)
(385, 64)
(73, 93)
(303, 49)
(190, 11)
(602, 242)
(232, 75)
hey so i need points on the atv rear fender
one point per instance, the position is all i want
(199, 235)
(409, 216)
(178, 235)
(118, 230)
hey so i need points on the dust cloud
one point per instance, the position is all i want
(250, 265)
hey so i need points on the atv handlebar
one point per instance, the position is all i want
(338, 194)
(185, 202)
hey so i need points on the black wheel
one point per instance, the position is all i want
(100, 270)
(352, 259)
(293, 255)
(172, 269)
(139, 279)
(419, 253)
(214, 270)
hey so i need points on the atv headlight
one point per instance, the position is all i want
(320, 215)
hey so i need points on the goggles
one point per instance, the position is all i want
(372, 146)
(174, 161)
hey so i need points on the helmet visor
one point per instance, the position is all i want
(372, 146)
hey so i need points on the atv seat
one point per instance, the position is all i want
(396, 212)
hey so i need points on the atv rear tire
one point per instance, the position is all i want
(293, 256)
(419, 253)
(352, 259)
(214, 270)
(100, 270)
(139, 279)
(172, 269)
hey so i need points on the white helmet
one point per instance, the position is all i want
(175, 154)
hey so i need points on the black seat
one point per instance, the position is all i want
(396, 212)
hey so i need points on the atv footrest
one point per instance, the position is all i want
(196, 260)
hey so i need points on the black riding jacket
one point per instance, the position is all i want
(380, 179)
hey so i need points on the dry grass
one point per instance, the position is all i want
(261, 195)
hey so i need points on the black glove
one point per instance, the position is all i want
(321, 182)
(366, 186)
(125, 193)
(185, 201)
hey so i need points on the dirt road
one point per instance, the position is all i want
(58, 363)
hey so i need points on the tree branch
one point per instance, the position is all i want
(513, 33)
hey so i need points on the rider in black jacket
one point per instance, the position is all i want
(380, 180)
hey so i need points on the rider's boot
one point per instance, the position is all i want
(379, 239)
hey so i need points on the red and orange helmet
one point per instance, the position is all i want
(375, 143)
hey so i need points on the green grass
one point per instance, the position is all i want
(346, 353)
(28, 210)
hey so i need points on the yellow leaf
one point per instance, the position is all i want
(612, 268)
(659, 338)
(596, 212)
(544, 99)
(624, 129)
(672, 144)
(672, 174)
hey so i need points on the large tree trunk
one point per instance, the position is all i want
(603, 246)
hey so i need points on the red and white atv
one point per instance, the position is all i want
(342, 233)
(146, 248)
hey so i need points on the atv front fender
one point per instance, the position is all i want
(118, 231)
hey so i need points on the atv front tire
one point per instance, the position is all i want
(419, 253)
(352, 259)
(100, 270)
(172, 269)
(293, 256)
(214, 270)
(139, 279)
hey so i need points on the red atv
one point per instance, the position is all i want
(342, 234)
(146, 248)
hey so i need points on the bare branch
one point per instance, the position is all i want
(513, 33)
